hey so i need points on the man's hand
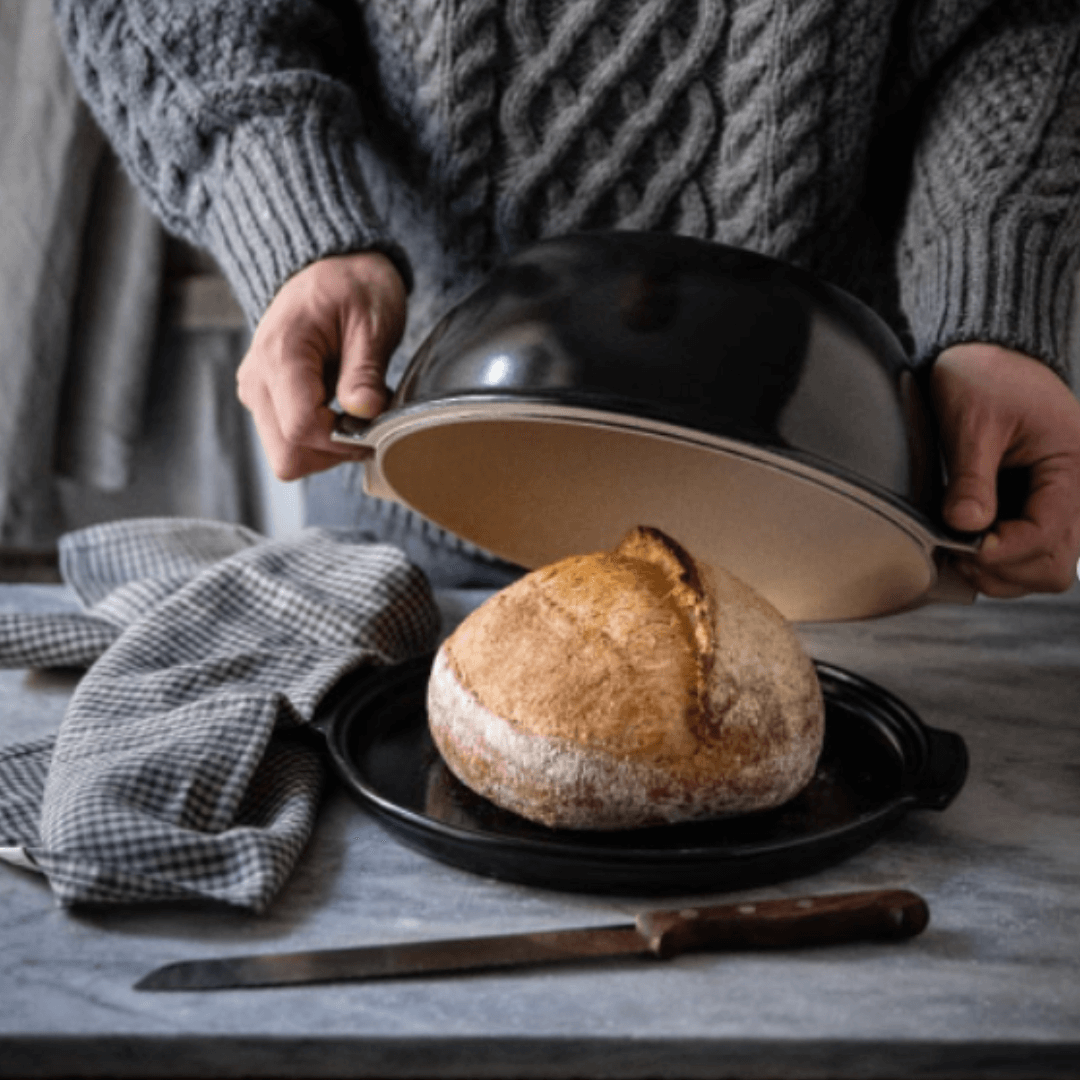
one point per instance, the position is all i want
(331, 328)
(998, 409)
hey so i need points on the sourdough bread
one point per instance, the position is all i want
(626, 689)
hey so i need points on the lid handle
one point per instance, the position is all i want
(351, 429)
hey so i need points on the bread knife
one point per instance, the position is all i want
(878, 915)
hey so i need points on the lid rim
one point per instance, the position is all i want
(479, 407)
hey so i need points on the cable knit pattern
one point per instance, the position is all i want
(196, 98)
(599, 133)
(453, 131)
(802, 91)
(458, 57)
(743, 173)
(984, 202)
(768, 185)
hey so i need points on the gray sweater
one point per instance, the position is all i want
(924, 154)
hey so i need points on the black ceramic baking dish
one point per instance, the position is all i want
(767, 420)
(879, 762)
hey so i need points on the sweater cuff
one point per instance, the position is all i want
(285, 194)
(1007, 282)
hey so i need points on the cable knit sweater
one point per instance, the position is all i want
(924, 154)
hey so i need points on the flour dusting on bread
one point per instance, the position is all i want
(624, 689)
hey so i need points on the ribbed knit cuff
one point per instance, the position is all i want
(289, 192)
(1009, 281)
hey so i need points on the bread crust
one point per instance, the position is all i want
(627, 689)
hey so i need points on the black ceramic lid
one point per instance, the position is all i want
(767, 421)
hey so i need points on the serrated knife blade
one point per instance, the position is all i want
(760, 924)
(398, 960)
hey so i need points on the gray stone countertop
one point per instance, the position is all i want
(990, 989)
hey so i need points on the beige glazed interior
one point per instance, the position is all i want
(535, 488)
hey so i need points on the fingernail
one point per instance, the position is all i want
(989, 542)
(364, 404)
(968, 514)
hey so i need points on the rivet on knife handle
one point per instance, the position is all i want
(763, 924)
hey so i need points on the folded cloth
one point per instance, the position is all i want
(177, 771)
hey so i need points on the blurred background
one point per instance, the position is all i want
(118, 344)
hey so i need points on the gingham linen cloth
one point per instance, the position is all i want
(176, 772)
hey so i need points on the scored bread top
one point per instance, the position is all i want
(605, 650)
(627, 688)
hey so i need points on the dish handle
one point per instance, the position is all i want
(944, 770)
(353, 691)
(324, 718)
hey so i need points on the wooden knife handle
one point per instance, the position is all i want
(883, 914)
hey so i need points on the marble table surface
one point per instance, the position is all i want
(991, 989)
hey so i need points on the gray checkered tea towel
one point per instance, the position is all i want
(176, 772)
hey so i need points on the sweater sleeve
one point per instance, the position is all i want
(990, 246)
(231, 119)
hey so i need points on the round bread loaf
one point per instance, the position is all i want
(626, 689)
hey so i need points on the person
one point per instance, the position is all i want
(355, 167)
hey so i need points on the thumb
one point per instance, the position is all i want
(371, 328)
(361, 387)
(971, 493)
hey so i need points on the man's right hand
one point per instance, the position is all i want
(331, 328)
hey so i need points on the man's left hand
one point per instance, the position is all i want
(997, 409)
